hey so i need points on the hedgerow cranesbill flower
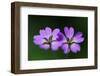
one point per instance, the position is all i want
(70, 42)
(47, 38)
(53, 39)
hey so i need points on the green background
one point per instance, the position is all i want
(37, 22)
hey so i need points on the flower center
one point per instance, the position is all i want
(69, 41)
(48, 41)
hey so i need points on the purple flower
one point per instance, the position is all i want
(70, 42)
(47, 39)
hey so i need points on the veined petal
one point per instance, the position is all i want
(60, 36)
(55, 45)
(37, 36)
(78, 38)
(55, 33)
(45, 46)
(79, 34)
(66, 49)
(69, 32)
(75, 48)
(42, 33)
(48, 31)
(38, 40)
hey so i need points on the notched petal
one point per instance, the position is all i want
(48, 31)
(45, 46)
(60, 36)
(75, 48)
(69, 32)
(42, 33)
(55, 33)
(66, 49)
(38, 40)
(55, 45)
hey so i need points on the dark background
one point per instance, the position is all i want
(37, 22)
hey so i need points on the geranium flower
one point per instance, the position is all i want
(47, 39)
(70, 42)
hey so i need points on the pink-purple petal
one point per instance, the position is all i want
(69, 32)
(45, 46)
(75, 47)
(79, 34)
(36, 36)
(77, 39)
(55, 33)
(66, 30)
(66, 49)
(38, 40)
(55, 45)
(43, 33)
(60, 36)
(48, 31)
